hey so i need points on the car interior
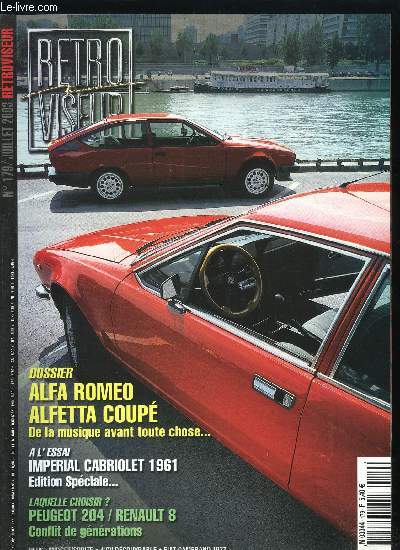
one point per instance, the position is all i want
(284, 291)
(130, 134)
(365, 364)
(177, 134)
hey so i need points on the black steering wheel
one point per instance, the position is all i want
(231, 280)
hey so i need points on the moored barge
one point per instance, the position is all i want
(263, 82)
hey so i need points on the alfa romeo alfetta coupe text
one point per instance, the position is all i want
(269, 330)
(159, 149)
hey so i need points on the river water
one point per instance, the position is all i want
(333, 125)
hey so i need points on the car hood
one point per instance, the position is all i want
(243, 141)
(117, 243)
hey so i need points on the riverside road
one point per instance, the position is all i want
(220, 499)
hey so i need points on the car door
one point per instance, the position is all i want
(246, 389)
(347, 413)
(168, 146)
(205, 157)
(124, 146)
(210, 373)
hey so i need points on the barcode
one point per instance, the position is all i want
(374, 503)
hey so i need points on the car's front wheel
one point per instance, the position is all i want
(256, 180)
(85, 351)
(109, 185)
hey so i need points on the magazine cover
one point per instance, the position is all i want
(196, 282)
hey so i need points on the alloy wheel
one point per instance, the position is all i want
(109, 186)
(257, 181)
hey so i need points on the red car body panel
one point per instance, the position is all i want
(309, 449)
(335, 426)
(120, 242)
(166, 165)
(349, 211)
(191, 361)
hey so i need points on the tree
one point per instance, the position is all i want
(374, 38)
(156, 43)
(351, 51)
(291, 49)
(313, 44)
(95, 21)
(263, 49)
(243, 51)
(334, 51)
(139, 49)
(224, 53)
(184, 45)
(210, 48)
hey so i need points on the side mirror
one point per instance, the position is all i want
(171, 287)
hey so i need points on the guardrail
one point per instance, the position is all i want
(39, 170)
(32, 171)
(341, 165)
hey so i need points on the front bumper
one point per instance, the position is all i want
(71, 179)
(42, 292)
(283, 172)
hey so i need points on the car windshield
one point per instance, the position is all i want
(218, 135)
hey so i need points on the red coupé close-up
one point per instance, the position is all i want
(138, 151)
(270, 329)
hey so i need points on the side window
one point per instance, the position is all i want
(198, 138)
(95, 139)
(365, 364)
(117, 136)
(282, 291)
(184, 266)
(177, 134)
(132, 134)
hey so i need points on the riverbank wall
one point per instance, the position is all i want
(359, 84)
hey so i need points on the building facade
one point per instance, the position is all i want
(257, 28)
(272, 29)
(191, 32)
(144, 24)
(346, 26)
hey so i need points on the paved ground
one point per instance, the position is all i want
(220, 499)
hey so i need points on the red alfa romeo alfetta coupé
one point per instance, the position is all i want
(159, 149)
(270, 330)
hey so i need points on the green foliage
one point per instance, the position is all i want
(313, 45)
(184, 46)
(139, 49)
(291, 49)
(263, 49)
(374, 37)
(351, 51)
(334, 51)
(156, 44)
(210, 48)
(93, 21)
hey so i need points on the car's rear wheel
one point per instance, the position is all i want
(85, 351)
(109, 185)
(256, 180)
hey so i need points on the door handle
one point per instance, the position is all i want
(176, 306)
(274, 392)
(160, 154)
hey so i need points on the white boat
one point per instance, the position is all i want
(256, 82)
